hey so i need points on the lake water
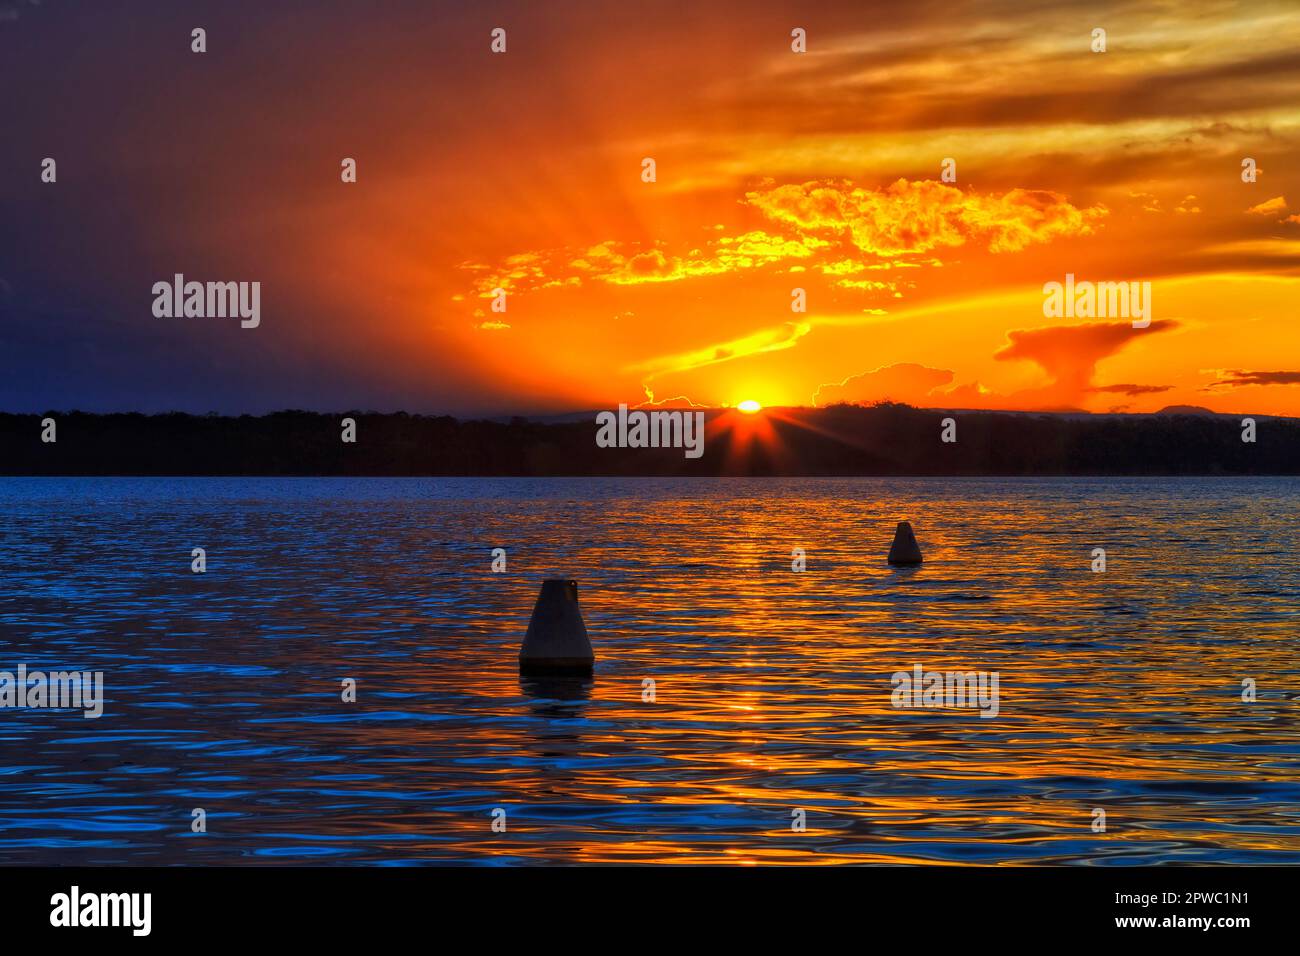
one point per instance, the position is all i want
(1119, 691)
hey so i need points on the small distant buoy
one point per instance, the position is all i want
(904, 550)
(557, 642)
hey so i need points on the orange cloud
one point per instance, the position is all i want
(730, 253)
(1130, 389)
(832, 222)
(920, 216)
(677, 401)
(765, 340)
(1069, 355)
(1267, 208)
(626, 264)
(903, 382)
(1238, 378)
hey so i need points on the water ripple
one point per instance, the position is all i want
(1119, 692)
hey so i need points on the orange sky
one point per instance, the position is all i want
(775, 170)
(821, 170)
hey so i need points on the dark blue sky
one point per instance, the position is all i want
(221, 166)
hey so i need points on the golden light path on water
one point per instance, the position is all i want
(1119, 691)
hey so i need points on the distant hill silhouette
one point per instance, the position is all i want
(886, 439)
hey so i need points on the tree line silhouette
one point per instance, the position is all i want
(885, 439)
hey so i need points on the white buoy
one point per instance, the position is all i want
(904, 550)
(557, 642)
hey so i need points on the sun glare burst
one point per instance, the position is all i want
(749, 406)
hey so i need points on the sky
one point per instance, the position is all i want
(518, 180)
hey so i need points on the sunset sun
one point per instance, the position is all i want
(749, 406)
